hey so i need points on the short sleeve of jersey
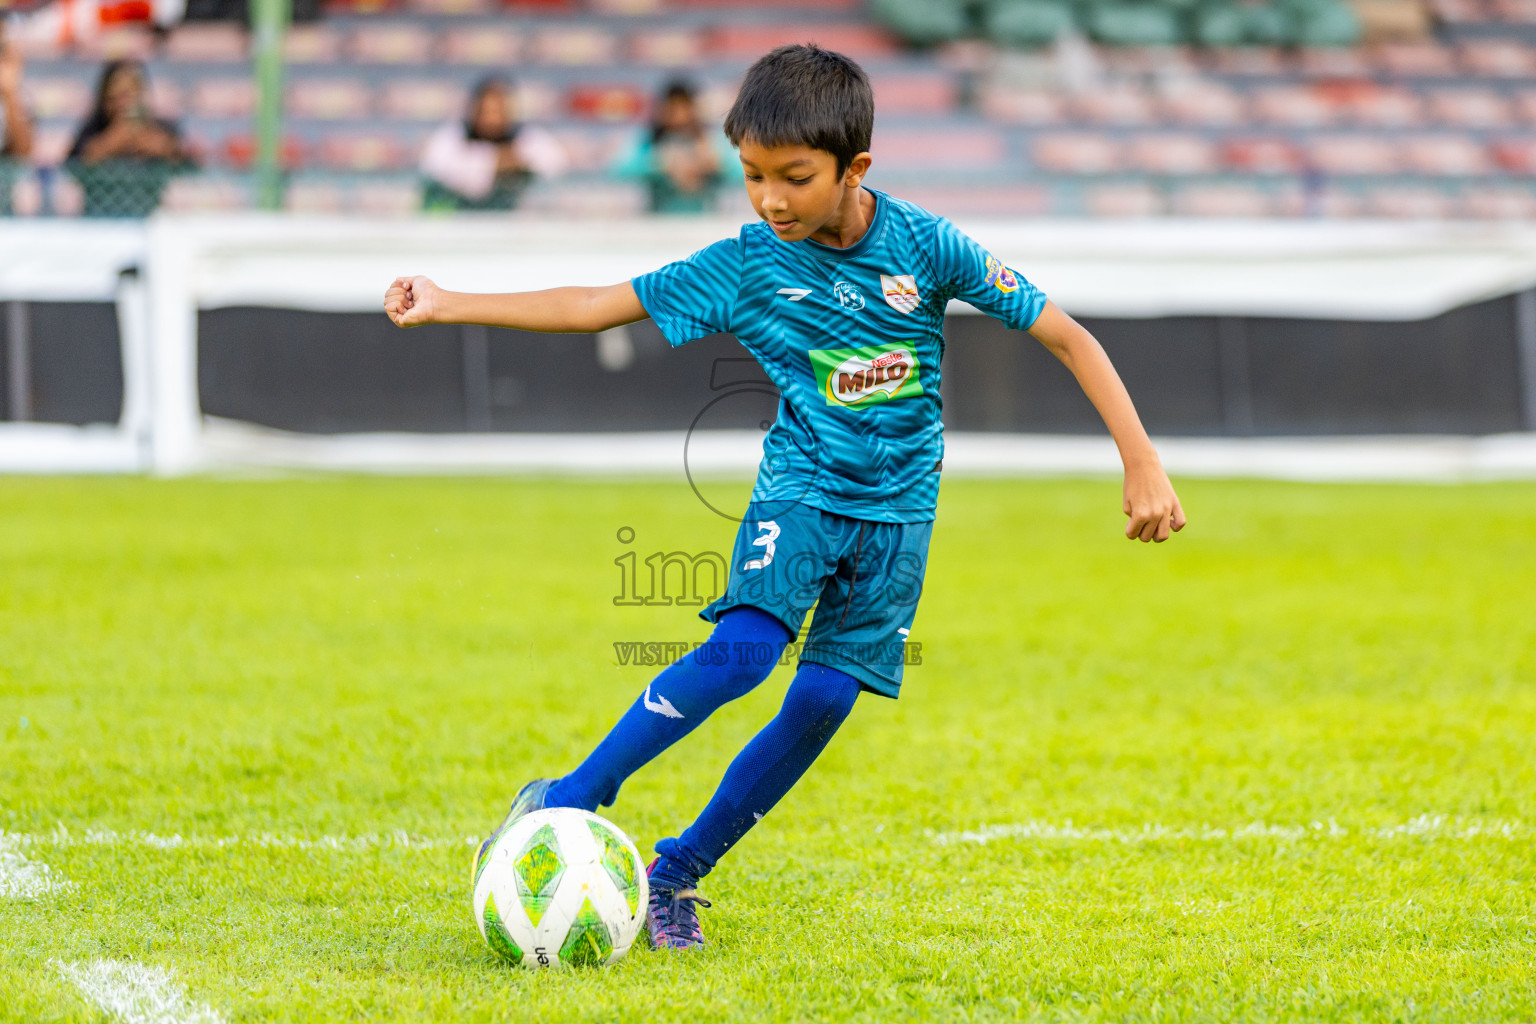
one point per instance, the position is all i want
(695, 297)
(976, 276)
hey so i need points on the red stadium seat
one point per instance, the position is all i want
(574, 46)
(482, 45)
(1446, 155)
(1470, 108)
(227, 96)
(1077, 153)
(933, 92)
(398, 43)
(239, 151)
(422, 100)
(1173, 154)
(206, 42)
(1518, 156)
(1293, 106)
(748, 42)
(818, 5)
(1354, 154)
(668, 48)
(333, 99)
(1498, 58)
(1205, 103)
(608, 102)
(1333, 62)
(1115, 105)
(1023, 106)
(1262, 156)
(451, 7)
(982, 200)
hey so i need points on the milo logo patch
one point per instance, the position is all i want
(866, 376)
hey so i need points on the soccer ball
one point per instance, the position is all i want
(560, 886)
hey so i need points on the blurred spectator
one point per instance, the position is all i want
(489, 160)
(124, 156)
(679, 157)
(16, 133)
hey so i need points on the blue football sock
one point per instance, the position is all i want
(816, 704)
(741, 651)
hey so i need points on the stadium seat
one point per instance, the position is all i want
(1292, 106)
(1461, 12)
(451, 7)
(398, 43)
(239, 151)
(922, 22)
(1498, 58)
(667, 48)
(1172, 154)
(395, 198)
(362, 151)
(1446, 155)
(1248, 60)
(314, 197)
(165, 97)
(1408, 202)
(982, 200)
(1204, 103)
(1026, 22)
(1268, 25)
(1161, 63)
(486, 46)
(915, 92)
(126, 42)
(1133, 24)
(1076, 153)
(206, 42)
(1494, 202)
(1415, 60)
(312, 44)
(608, 102)
(1231, 199)
(1515, 12)
(1262, 155)
(1354, 154)
(1328, 23)
(1525, 106)
(1022, 106)
(1332, 62)
(334, 99)
(422, 100)
(1219, 25)
(730, 41)
(1130, 199)
(62, 97)
(1470, 108)
(1517, 156)
(1116, 105)
(594, 147)
(205, 194)
(225, 96)
(958, 149)
(578, 46)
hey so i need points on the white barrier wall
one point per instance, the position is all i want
(161, 273)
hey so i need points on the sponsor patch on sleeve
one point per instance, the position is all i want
(999, 276)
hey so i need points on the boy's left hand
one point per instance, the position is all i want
(1150, 503)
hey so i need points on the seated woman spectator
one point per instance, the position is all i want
(124, 156)
(16, 137)
(487, 161)
(679, 157)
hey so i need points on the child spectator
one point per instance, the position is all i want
(487, 161)
(679, 157)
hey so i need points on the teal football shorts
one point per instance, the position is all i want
(862, 577)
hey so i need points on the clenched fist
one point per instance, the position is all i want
(412, 301)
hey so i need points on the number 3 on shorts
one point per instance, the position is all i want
(770, 533)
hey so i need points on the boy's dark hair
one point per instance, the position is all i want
(804, 95)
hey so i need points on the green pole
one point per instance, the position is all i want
(269, 22)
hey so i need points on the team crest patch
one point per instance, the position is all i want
(900, 292)
(999, 276)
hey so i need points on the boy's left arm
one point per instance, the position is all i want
(1150, 503)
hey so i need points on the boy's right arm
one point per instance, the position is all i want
(413, 301)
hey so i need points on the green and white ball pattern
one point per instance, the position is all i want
(560, 886)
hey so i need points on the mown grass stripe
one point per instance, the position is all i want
(136, 993)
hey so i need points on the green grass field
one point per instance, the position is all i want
(1281, 768)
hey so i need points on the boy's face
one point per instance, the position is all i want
(797, 189)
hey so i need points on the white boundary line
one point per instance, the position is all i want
(1425, 826)
(23, 879)
(136, 993)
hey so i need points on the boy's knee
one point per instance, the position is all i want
(819, 692)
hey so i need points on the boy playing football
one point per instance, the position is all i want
(840, 294)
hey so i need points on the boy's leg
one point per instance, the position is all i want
(818, 701)
(740, 653)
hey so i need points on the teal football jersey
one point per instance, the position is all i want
(852, 338)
